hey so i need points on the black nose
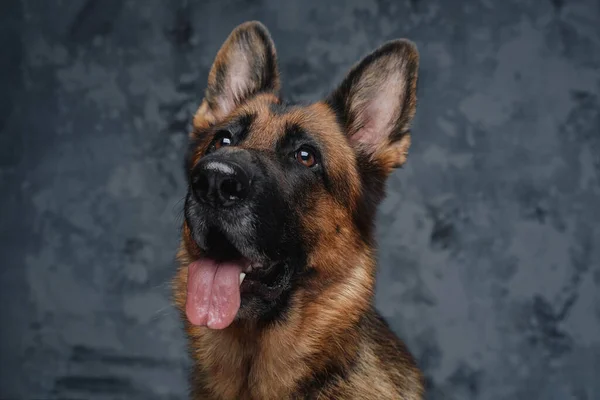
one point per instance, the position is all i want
(220, 183)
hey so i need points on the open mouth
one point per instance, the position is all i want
(218, 281)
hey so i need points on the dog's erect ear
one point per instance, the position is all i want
(376, 102)
(245, 65)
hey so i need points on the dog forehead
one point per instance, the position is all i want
(266, 128)
(272, 120)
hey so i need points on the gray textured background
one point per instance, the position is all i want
(490, 237)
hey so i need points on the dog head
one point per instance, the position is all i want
(282, 197)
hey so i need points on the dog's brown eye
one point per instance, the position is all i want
(306, 157)
(223, 139)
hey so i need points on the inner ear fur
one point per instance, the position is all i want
(245, 65)
(376, 102)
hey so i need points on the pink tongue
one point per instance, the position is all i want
(213, 293)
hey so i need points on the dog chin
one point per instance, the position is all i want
(227, 283)
(220, 292)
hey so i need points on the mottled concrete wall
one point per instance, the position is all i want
(490, 237)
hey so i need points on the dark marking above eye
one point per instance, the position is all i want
(240, 127)
(293, 138)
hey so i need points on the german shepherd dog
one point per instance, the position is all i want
(277, 257)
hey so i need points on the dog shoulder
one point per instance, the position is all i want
(382, 368)
(388, 357)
